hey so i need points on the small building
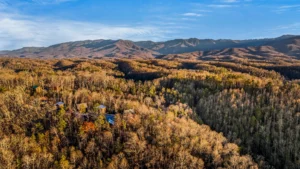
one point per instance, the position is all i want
(101, 109)
(110, 118)
(43, 99)
(37, 89)
(59, 104)
(34, 87)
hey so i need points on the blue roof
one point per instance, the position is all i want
(110, 118)
(35, 86)
(101, 106)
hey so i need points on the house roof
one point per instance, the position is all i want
(101, 106)
(35, 86)
(59, 103)
(110, 118)
(43, 98)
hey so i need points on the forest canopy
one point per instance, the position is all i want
(135, 113)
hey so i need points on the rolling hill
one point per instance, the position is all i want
(88, 49)
(190, 45)
(284, 47)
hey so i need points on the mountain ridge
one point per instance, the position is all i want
(167, 47)
(288, 45)
(88, 48)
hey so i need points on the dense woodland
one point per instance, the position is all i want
(168, 114)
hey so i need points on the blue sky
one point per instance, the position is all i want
(47, 22)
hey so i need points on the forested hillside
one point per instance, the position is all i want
(284, 47)
(121, 113)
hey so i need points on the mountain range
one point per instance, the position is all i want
(287, 46)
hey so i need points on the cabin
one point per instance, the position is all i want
(43, 99)
(34, 87)
(101, 109)
(110, 118)
(59, 105)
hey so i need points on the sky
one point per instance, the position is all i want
(27, 23)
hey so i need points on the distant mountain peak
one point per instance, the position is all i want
(287, 44)
(89, 48)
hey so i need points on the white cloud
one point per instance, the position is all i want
(10, 3)
(234, 1)
(288, 6)
(192, 14)
(203, 10)
(45, 2)
(188, 19)
(294, 26)
(222, 6)
(229, 1)
(284, 8)
(19, 31)
(288, 29)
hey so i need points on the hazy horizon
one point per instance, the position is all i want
(43, 22)
(140, 41)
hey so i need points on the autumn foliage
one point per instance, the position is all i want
(167, 114)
